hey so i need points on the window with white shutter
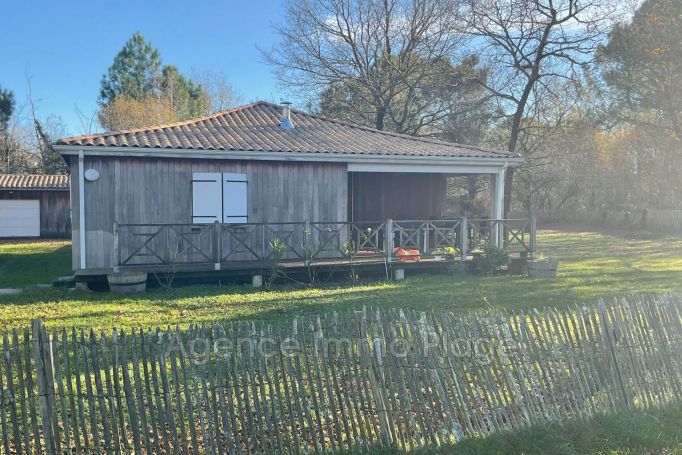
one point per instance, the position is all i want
(234, 198)
(207, 197)
(219, 197)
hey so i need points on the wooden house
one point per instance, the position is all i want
(242, 188)
(34, 206)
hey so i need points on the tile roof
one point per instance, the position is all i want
(255, 127)
(33, 182)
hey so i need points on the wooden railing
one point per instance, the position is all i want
(305, 241)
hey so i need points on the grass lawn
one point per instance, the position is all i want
(592, 265)
(26, 263)
(637, 432)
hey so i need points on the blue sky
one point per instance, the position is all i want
(66, 46)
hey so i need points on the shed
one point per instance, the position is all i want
(222, 191)
(34, 205)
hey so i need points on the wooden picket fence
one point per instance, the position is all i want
(335, 381)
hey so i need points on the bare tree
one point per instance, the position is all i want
(529, 45)
(389, 54)
(219, 93)
(45, 132)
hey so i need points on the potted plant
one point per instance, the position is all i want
(489, 259)
(542, 267)
(445, 253)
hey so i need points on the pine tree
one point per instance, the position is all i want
(138, 91)
(135, 72)
(6, 107)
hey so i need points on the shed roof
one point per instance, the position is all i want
(255, 127)
(33, 182)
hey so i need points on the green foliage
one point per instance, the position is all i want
(187, 98)
(642, 62)
(490, 259)
(138, 90)
(7, 104)
(135, 72)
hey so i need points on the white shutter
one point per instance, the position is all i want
(207, 196)
(234, 198)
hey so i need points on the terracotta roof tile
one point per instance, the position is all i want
(33, 182)
(255, 127)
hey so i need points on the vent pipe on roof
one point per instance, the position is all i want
(286, 123)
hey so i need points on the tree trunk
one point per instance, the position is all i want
(380, 118)
(471, 187)
(508, 180)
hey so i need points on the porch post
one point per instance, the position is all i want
(497, 206)
(388, 240)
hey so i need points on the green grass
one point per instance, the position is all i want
(637, 432)
(592, 265)
(26, 263)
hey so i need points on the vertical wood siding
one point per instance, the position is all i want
(139, 191)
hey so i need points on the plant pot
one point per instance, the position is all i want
(127, 282)
(518, 266)
(544, 268)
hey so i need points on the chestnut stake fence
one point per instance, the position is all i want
(335, 381)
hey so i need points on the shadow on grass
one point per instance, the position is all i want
(644, 432)
(591, 266)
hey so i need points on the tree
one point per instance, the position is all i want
(135, 73)
(219, 93)
(51, 161)
(642, 64)
(9, 152)
(430, 109)
(7, 104)
(137, 89)
(376, 61)
(187, 98)
(533, 47)
(126, 113)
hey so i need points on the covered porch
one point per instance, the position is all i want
(391, 208)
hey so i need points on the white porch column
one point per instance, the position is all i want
(497, 204)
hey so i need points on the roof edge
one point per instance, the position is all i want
(250, 155)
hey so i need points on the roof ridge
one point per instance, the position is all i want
(168, 125)
(394, 134)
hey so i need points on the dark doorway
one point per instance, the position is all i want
(377, 196)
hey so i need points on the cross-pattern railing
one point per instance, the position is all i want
(217, 243)
(514, 235)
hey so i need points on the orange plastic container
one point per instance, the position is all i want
(404, 255)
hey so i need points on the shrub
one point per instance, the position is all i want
(490, 259)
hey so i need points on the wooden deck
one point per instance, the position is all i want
(320, 246)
